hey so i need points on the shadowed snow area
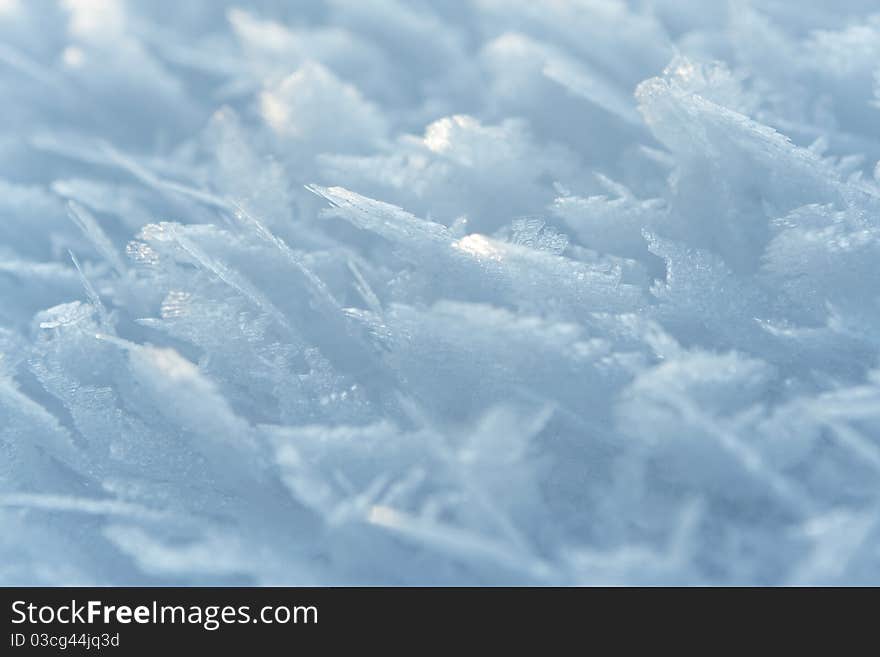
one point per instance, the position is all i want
(439, 292)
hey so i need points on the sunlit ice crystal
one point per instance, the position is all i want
(469, 293)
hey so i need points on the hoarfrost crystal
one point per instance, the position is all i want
(384, 292)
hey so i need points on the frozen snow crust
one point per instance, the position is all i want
(472, 292)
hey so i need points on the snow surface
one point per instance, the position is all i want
(452, 292)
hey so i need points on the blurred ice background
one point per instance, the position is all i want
(449, 292)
